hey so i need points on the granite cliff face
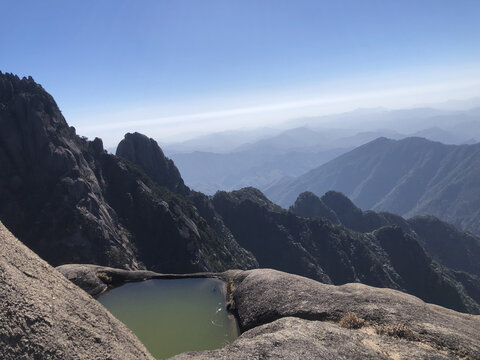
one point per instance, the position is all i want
(50, 196)
(45, 316)
(145, 152)
(70, 201)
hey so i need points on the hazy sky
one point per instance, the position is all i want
(175, 67)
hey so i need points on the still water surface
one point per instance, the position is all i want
(173, 316)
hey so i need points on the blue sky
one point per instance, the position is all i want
(175, 67)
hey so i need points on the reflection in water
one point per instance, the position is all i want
(173, 316)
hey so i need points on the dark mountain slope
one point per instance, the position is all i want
(454, 248)
(308, 247)
(408, 177)
(457, 251)
(314, 247)
(70, 201)
(354, 218)
(185, 221)
(423, 277)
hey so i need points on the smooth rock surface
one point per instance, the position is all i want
(293, 338)
(291, 317)
(45, 316)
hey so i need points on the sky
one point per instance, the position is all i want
(176, 68)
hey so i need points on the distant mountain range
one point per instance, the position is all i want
(210, 172)
(408, 177)
(264, 157)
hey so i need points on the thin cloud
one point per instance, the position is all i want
(192, 118)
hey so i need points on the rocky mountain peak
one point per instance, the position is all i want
(145, 152)
(308, 204)
(11, 84)
(339, 202)
(247, 195)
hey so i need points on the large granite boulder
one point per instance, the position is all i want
(45, 316)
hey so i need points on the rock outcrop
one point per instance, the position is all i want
(309, 205)
(285, 316)
(45, 316)
(95, 279)
(146, 153)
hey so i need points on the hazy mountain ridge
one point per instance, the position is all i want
(210, 172)
(260, 158)
(408, 177)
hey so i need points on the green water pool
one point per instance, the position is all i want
(174, 316)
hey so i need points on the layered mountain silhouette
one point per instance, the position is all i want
(71, 202)
(408, 177)
(263, 157)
